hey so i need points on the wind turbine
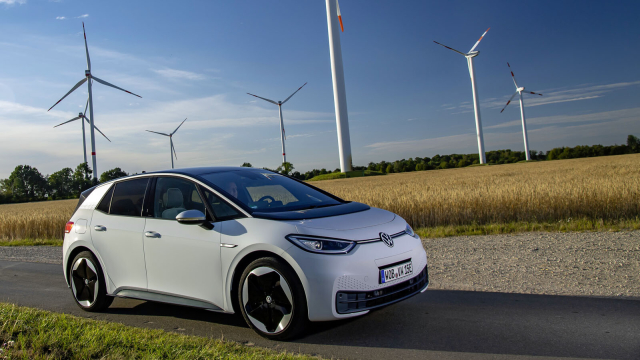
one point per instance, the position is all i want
(172, 150)
(84, 142)
(334, 20)
(476, 106)
(519, 90)
(90, 77)
(280, 103)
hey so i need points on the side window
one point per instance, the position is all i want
(221, 210)
(106, 201)
(128, 197)
(175, 195)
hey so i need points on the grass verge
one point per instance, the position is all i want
(350, 174)
(519, 227)
(27, 333)
(31, 242)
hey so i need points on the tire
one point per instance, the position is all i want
(87, 283)
(272, 300)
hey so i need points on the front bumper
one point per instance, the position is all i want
(325, 276)
(356, 301)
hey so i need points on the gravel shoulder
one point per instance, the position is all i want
(579, 264)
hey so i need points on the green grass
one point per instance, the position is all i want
(31, 242)
(38, 334)
(349, 174)
(520, 227)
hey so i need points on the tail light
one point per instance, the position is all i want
(67, 228)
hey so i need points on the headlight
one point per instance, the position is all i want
(321, 245)
(410, 231)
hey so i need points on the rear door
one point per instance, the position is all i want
(182, 260)
(116, 232)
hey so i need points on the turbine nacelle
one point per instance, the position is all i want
(87, 73)
(473, 54)
(520, 88)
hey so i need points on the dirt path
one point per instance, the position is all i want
(590, 263)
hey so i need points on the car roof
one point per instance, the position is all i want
(204, 170)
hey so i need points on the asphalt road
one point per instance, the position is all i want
(437, 324)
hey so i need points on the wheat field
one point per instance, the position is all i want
(602, 188)
(36, 220)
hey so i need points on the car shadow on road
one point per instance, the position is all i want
(494, 323)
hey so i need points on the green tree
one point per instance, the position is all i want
(26, 183)
(246, 164)
(633, 143)
(286, 168)
(61, 184)
(82, 179)
(112, 174)
(389, 169)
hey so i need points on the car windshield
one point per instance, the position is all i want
(265, 191)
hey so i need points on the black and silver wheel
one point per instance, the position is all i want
(272, 299)
(87, 283)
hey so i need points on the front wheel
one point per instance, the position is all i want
(272, 299)
(87, 283)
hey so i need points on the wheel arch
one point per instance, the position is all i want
(72, 254)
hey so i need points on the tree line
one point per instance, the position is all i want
(464, 160)
(26, 183)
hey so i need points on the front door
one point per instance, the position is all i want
(182, 260)
(116, 232)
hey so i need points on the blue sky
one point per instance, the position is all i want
(407, 96)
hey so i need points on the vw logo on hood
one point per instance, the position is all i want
(386, 239)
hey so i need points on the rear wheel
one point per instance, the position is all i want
(272, 299)
(87, 283)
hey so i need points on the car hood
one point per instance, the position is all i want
(363, 219)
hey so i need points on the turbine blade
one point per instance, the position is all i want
(155, 132)
(294, 93)
(534, 93)
(176, 130)
(514, 95)
(513, 76)
(271, 101)
(105, 136)
(478, 42)
(174, 150)
(70, 91)
(459, 52)
(86, 107)
(113, 86)
(68, 121)
(339, 16)
(86, 48)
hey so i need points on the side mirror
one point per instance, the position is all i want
(191, 217)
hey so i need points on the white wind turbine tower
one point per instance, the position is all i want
(83, 117)
(476, 105)
(172, 150)
(280, 103)
(519, 90)
(334, 19)
(91, 78)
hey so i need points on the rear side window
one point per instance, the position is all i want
(128, 197)
(106, 201)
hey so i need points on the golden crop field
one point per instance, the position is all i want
(37, 220)
(605, 188)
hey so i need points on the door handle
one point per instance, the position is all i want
(99, 228)
(152, 234)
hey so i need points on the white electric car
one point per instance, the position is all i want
(245, 240)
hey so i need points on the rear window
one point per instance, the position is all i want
(128, 197)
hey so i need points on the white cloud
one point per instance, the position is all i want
(83, 16)
(60, 18)
(179, 74)
(12, 2)
(632, 113)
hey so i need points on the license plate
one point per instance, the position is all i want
(396, 272)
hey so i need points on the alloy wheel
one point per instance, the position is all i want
(84, 282)
(267, 300)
